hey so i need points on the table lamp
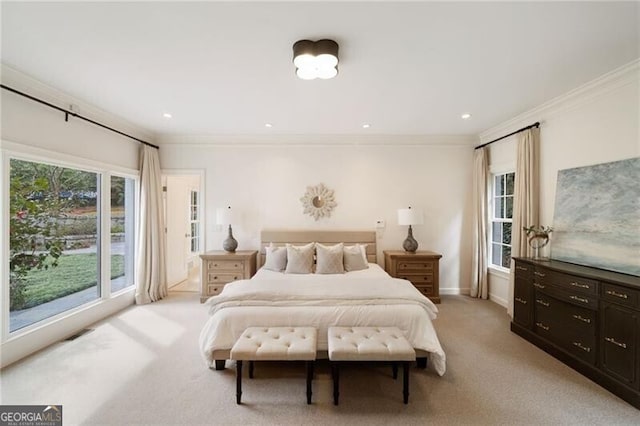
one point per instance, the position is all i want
(225, 216)
(410, 217)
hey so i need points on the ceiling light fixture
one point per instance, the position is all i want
(465, 116)
(167, 115)
(366, 126)
(317, 59)
(268, 125)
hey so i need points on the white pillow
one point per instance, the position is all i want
(355, 257)
(299, 259)
(276, 258)
(329, 259)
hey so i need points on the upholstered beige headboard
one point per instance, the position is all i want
(280, 237)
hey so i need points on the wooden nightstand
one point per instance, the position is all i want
(220, 267)
(421, 268)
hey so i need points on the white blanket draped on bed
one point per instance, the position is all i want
(321, 302)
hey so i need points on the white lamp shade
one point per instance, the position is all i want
(410, 217)
(225, 216)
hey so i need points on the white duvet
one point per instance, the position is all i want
(363, 298)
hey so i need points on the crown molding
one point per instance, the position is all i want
(27, 84)
(619, 77)
(307, 140)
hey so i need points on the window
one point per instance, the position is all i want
(194, 219)
(57, 238)
(501, 220)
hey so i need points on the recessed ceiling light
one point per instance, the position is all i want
(167, 115)
(366, 126)
(466, 116)
(269, 125)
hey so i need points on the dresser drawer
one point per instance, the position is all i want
(226, 265)
(418, 280)
(523, 271)
(571, 282)
(576, 298)
(415, 265)
(621, 295)
(217, 278)
(214, 289)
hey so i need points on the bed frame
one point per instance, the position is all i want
(280, 237)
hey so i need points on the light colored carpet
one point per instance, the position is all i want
(142, 366)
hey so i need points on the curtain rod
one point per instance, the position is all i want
(73, 114)
(536, 124)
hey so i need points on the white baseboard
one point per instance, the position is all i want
(454, 291)
(499, 300)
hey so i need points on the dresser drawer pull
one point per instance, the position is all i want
(579, 299)
(235, 278)
(524, 302)
(521, 268)
(542, 326)
(575, 284)
(580, 318)
(579, 345)
(543, 303)
(612, 340)
(215, 278)
(616, 294)
(536, 285)
(540, 274)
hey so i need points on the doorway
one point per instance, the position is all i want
(184, 212)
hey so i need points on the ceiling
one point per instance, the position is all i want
(405, 68)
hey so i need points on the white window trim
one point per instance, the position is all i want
(12, 150)
(497, 169)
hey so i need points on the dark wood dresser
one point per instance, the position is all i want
(586, 317)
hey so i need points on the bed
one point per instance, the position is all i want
(368, 297)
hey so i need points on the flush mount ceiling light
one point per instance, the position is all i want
(317, 59)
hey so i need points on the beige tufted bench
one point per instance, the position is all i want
(275, 344)
(369, 344)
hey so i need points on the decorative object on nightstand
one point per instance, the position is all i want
(420, 267)
(410, 217)
(318, 201)
(538, 238)
(220, 267)
(225, 216)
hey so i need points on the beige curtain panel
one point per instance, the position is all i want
(526, 200)
(479, 283)
(151, 282)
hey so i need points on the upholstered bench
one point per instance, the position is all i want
(369, 344)
(275, 344)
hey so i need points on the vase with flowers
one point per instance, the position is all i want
(538, 238)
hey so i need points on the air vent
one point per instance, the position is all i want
(79, 333)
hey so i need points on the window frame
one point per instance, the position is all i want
(11, 150)
(495, 171)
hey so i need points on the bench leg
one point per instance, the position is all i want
(394, 365)
(251, 369)
(421, 362)
(310, 365)
(335, 372)
(238, 382)
(405, 382)
(220, 364)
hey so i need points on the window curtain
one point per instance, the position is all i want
(151, 283)
(526, 199)
(480, 284)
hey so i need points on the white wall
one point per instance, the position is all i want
(36, 130)
(596, 123)
(370, 181)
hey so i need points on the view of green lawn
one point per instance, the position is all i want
(74, 272)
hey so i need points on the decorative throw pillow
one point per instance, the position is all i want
(329, 259)
(276, 258)
(355, 258)
(299, 259)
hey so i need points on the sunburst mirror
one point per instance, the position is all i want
(318, 201)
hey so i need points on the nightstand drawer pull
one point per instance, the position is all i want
(580, 318)
(540, 274)
(616, 294)
(536, 285)
(579, 345)
(576, 284)
(542, 326)
(521, 268)
(524, 302)
(613, 341)
(543, 303)
(579, 299)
